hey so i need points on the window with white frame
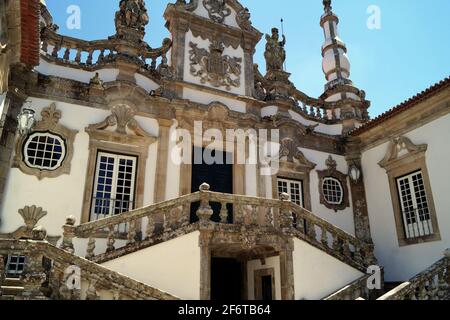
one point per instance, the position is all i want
(293, 188)
(414, 205)
(44, 151)
(114, 185)
(15, 265)
(332, 190)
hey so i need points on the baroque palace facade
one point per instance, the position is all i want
(100, 198)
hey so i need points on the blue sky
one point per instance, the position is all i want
(408, 54)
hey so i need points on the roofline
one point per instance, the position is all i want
(424, 95)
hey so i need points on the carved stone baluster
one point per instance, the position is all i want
(311, 111)
(312, 231)
(55, 51)
(325, 114)
(443, 286)
(204, 212)
(153, 64)
(66, 54)
(369, 255)
(223, 212)
(433, 287)
(239, 213)
(111, 239)
(131, 236)
(318, 113)
(90, 248)
(286, 219)
(346, 248)
(150, 227)
(78, 56)
(333, 114)
(91, 293)
(358, 256)
(101, 56)
(89, 58)
(269, 216)
(324, 237)
(68, 234)
(336, 244)
(423, 293)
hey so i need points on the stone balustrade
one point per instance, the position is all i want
(93, 54)
(356, 290)
(432, 284)
(162, 221)
(59, 280)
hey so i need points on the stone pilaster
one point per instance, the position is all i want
(287, 272)
(205, 265)
(359, 201)
(33, 276)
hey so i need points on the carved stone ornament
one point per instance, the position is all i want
(332, 172)
(48, 125)
(122, 118)
(31, 216)
(243, 19)
(131, 19)
(215, 67)
(289, 149)
(217, 10)
(399, 149)
(191, 6)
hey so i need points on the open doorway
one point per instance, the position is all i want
(226, 279)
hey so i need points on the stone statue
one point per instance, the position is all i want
(275, 53)
(131, 14)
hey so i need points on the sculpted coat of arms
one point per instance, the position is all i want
(215, 67)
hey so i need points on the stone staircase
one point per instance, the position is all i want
(154, 224)
(11, 288)
(59, 280)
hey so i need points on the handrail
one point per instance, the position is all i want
(99, 277)
(271, 214)
(431, 284)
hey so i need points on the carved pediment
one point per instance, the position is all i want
(401, 148)
(121, 122)
(290, 149)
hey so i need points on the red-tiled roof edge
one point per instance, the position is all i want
(403, 106)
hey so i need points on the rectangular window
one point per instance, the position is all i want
(293, 188)
(414, 205)
(114, 185)
(15, 265)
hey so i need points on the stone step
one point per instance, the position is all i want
(12, 282)
(6, 297)
(8, 290)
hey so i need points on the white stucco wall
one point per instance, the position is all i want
(254, 265)
(316, 274)
(204, 44)
(63, 196)
(343, 218)
(173, 266)
(106, 75)
(402, 263)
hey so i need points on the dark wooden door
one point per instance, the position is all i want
(218, 175)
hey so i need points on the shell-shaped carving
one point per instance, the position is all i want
(31, 215)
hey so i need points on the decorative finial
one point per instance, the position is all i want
(327, 6)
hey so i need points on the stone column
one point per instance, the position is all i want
(359, 201)
(205, 265)
(287, 272)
